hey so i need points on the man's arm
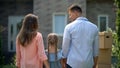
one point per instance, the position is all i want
(96, 49)
(65, 47)
(66, 43)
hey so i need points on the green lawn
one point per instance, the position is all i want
(8, 66)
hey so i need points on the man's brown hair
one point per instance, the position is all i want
(75, 7)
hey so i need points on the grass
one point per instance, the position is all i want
(8, 66)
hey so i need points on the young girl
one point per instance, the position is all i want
(29, 45)
(53, 53)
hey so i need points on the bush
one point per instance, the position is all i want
(14, 62)
(115, 51)
(117, 39)
(1, 55)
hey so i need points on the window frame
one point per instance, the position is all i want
(103, 15)
(53, 21)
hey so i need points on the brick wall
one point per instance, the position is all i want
(45, 8)
(97, 7)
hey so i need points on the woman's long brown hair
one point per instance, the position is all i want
(28, 30)
(52, 40)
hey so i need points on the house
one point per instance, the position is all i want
(53, 17)
(11, 13)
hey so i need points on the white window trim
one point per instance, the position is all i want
(9, 38)
(53, 23)
(106, 21)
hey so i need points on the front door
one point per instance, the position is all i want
(13, 29)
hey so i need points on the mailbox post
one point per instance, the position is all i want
(105, 49)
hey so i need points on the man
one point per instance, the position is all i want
(80, 41)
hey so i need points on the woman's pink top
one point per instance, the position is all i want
(31, 56)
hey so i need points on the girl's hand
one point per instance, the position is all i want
(63, 63)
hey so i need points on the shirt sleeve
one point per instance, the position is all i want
(66, 43)
(96, 45)
(18, 54)
(41, 51)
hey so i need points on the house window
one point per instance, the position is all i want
(102, 22)
(59, 22)
(13, 30)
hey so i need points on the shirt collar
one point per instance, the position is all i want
(82, 18)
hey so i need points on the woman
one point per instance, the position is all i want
(29, 45)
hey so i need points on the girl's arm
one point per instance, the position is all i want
(63, 62)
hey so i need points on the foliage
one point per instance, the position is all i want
(8, 66)
(1, 55)
(14, 62)
(116, 50)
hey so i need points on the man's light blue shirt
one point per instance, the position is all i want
(80, 43)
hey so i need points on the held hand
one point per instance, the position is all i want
(63, 62)
(94, 66)
(64, 66)
(46, 64)
(17, 67)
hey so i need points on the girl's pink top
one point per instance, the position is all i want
(32, 55)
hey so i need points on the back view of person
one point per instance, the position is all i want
(54, 54)
(80, 41)
(29, 45)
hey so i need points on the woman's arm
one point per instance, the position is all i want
(46, 64)
(18, 55)
(41, 51)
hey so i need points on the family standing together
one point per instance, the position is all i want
(79, 47)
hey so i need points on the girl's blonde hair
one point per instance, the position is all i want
(52, 40)
(28, 30)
